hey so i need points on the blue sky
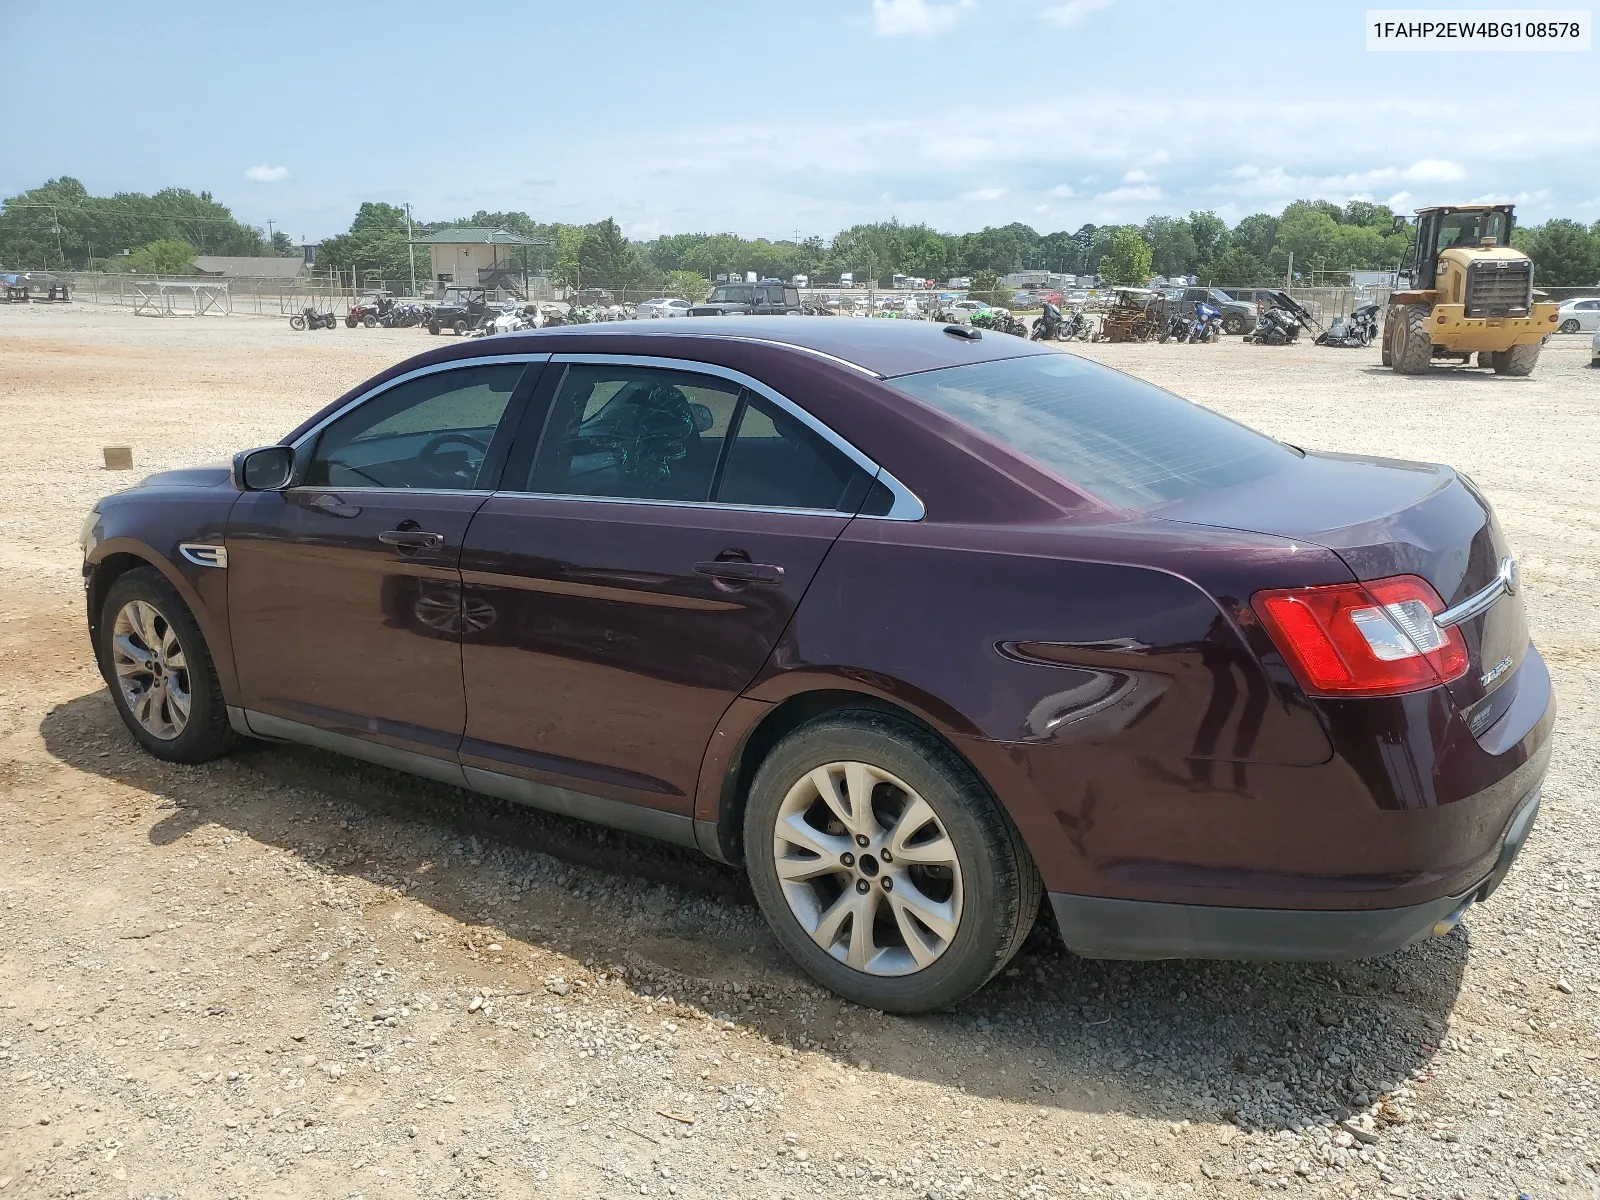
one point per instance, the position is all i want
(775, 118)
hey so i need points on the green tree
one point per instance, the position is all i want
(1128, 258)
(606, 259)
(1172, 247)
(1257, 234)
(1237, 267)
(986, 286)
(1210, 235)
(375, 249)
(169, 256)
(1564, 253)
(686, 285)
(282, 246)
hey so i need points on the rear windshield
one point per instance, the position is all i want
(1117, 438)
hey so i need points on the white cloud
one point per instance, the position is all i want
(1073, 13)
(1251, 180)
(917, 18)
(988, 193)
(1434, 170)
(266, 173)
(1124, 195)
(1063, 189)
(1138, 177)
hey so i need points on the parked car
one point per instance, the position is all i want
(920, 627)
(1580, 315)
(460, 310)
(749, 299)
(962, 310)
(665, 307)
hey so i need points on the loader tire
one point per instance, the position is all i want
(1412, 352)
(1391, 320)
(1519, 360)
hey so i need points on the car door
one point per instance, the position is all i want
(344, 594)
(644, 555)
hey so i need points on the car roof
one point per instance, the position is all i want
(882, 348)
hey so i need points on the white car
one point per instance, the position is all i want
(962, 310)
(661, 308)
(1579, 316)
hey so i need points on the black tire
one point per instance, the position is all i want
(369, 321)
(1412, 352)
(1001, 888)
(433, 328)
(459, 328)
(297, 323)
(1519, 360)
(1569, 326)
(1233, 323)
(207, 734)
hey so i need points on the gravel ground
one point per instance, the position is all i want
(286, 974)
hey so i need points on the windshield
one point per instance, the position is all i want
(1468, 228)
(732, 295)
(1118, 438)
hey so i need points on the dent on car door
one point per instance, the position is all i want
(344, 592)
(644, 561)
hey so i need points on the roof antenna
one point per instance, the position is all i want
(965, 332)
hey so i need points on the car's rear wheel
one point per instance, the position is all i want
(1233, 324)
(160, 670)
(459, 328)
(883, 864)
(1569, 326)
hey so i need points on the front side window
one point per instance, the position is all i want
(733, 295)
(1117, 438)
(430, 432)
(634, 433)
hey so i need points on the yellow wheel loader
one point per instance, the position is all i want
(1463, 291)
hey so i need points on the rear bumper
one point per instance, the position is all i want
(1098, 927)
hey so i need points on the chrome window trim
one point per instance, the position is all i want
(905, 507)
(708, 505)
(759, 341)
(454, 364)
(1504, 584)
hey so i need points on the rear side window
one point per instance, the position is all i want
(634, 433)
(775, 461)
(1117, 438)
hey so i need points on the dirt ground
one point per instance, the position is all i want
(286, 974)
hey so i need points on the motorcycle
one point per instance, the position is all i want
(1048, 327)
(1281, 322)
(310, 318)
(402, 316)
(999, 320)
(508, 319)
(1077, 325)
(1358, 330)
(1176, 327)
(580, 315)
(1207, 325)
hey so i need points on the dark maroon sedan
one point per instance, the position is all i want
(914, 623)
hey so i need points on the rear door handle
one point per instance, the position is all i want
(412, 539)
(738, 571)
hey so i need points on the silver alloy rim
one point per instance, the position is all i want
(152, 670)
(868, 869)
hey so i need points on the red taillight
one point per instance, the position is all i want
(1364, 639)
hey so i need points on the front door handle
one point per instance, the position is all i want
(738, 571)
(412, 539)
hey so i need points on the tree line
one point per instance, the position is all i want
(60, 224)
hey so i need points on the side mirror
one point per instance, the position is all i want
(264, 469)
(1401, 224)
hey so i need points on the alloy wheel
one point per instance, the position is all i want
(152, 669)
(868, 869)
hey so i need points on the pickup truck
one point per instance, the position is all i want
(747, 299)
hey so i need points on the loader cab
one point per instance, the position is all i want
(1441, 229)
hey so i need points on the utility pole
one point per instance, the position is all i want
(411, 253)
(1288, 274)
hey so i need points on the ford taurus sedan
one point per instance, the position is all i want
(920, 626)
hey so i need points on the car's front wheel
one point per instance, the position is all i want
(884, 865)
(158, 665)
(1570, 325)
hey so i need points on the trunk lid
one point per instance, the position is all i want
(1389, 517)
